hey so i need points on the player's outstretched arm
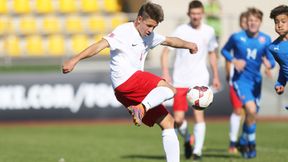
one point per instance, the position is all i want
(280, 84)
(213, 62)
(92, 50)
(179, 43)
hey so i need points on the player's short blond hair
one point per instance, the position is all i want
(255, 12)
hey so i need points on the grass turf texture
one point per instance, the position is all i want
(122, 142)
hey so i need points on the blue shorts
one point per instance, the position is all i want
(248, 90)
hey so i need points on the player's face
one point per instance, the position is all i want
(196, 16)
(253, 24)
(281, 24)
(145, 26)
(243, 23)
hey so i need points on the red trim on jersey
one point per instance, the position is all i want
(180, 100)
(135, 89)
(235, 101)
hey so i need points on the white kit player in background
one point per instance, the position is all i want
(190, 71)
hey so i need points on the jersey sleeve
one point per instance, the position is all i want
(227, 49)
(157, 39)
(212, 44)
(113, 39)
(281, 81)
(268, 54)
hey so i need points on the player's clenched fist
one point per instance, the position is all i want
(68, 66)
(279, 89)
(193, 49)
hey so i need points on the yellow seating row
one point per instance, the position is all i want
(66, 24)
(52, 45)
(61, 6)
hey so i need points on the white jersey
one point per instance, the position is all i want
(128, 51)
(191, 69)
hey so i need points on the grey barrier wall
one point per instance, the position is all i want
(48, 96)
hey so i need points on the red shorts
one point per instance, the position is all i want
(180, 100)
(135, 89)
(235, 101)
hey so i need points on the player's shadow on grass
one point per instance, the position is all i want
(218, 153)
(153, 157)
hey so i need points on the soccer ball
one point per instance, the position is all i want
(200, 97)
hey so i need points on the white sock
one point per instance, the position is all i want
(199, 133)
(235, 121)
(157, 96)
(171, 145)
(183, 130)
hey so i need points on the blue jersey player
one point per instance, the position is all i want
(279, 48)
(250, 50)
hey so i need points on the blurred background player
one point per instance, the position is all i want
(131, 84)
(279, 48)
(236, 116)
(250, 51)
(191, 70)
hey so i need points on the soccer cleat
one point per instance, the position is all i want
(188, 150)
(197, 157)
(252, 151)
(137, 113)
(232, 150)
(244, 150)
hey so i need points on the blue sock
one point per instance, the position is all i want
(251, 133)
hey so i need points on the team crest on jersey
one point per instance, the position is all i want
(262, 39)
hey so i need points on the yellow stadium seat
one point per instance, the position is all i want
(117, 20)
(89, 6)
(34, 45)
(96, 24)
(56, 45)
(51, 24)
(44, 6)
(27, 25)
(22, 6)
(73, 24)
(12, 46)
(6, 25)
(111, 6)
(3, 7)
(67, 6)
(105, 51)
(79, 42)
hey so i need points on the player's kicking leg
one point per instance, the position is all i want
(155, 97)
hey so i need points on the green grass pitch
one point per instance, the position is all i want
(123, 142)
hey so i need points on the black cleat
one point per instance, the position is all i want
(196, 157)
(252, 151)
(188, 150)
(244, 150)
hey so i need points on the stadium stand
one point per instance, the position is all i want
(12, 46)
(55, 28)
(44, 6)
(3, 7)
(22, 6)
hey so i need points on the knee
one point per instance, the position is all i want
(238, 111)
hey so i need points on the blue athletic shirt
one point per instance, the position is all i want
(250, 49)
(279, 50)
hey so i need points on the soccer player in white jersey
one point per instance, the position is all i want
(142, 93)
(191, 70)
